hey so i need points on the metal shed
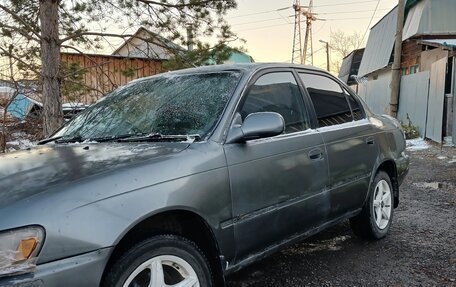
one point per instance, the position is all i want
(350, 66)
(429, 17)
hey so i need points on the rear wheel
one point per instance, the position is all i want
(165, 260)
(376, 216)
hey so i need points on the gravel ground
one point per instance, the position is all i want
(420, 249)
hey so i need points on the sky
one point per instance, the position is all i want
(269, 33)
(268, 26)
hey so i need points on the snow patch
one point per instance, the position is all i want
(441, 157)
(417, 144)
(21, 144)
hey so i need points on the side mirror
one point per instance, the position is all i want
(256, 126)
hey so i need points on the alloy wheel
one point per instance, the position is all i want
(162, 271)
(382, 204)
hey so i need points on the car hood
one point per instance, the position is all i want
(29, 172)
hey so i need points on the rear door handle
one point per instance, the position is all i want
(370, 140)
(316, 154)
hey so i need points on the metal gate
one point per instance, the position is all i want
(454, 100)
(434, 123)
(413, 100)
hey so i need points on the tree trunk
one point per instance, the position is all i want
(50, 70)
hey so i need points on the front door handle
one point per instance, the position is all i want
(370, 141)
(316, 154)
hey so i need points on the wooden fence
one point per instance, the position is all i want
(101, 74)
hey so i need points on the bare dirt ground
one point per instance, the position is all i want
(420, 249)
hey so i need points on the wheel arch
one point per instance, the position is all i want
(180, 222)
(389, 166)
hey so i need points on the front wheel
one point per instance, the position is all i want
(376, 216)
(165, 260)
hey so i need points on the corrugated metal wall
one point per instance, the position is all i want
(434, 125)
(105, 73)
(454, 101)
(413, 100)
(376, 93)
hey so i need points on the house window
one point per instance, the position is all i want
(415, 69)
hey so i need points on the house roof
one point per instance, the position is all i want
(445, 43)
(380, 44)
(155, 38)
(428, 17)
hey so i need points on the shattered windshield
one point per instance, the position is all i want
(166, 105)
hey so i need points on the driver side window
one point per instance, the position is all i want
(277, 92)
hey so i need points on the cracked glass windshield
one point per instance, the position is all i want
(164, 105)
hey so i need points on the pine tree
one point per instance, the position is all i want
(33, 33)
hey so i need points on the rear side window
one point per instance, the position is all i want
(355, 106)
(277, 92)
(328, 98)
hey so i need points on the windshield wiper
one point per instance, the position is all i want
(48, 140)
(139, 137)
(74, 139)
(116, 137)
(61, 139)
(158, 137)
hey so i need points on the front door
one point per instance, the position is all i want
(276, 182)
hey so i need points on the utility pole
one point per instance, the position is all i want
(296, 55)
(396, 69)
(310, 17)
(327, 54)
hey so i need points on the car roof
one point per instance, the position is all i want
(244, 67)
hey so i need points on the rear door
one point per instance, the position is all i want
(276, 182)
(349, 139)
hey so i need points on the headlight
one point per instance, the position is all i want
(19, 249)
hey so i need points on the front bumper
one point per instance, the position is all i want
(402, 166)
(82, 270)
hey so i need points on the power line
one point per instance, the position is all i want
(258, 13)
(349, 3)
(285, 8)
(343, 19)
(349, 12)
(259, 21)
(276, 25)
(263, 27)
(324, 13)
(370, 22)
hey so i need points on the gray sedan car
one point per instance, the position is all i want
(184, 177)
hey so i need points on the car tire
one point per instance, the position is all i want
(163, 259)
(374, 220)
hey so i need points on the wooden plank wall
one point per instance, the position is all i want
(105, 73)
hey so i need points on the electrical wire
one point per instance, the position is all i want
(288, 22)
(339, 4)
(348, 12)
(259, 21)
(370, 22)
(277, 25)
(258, 13)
